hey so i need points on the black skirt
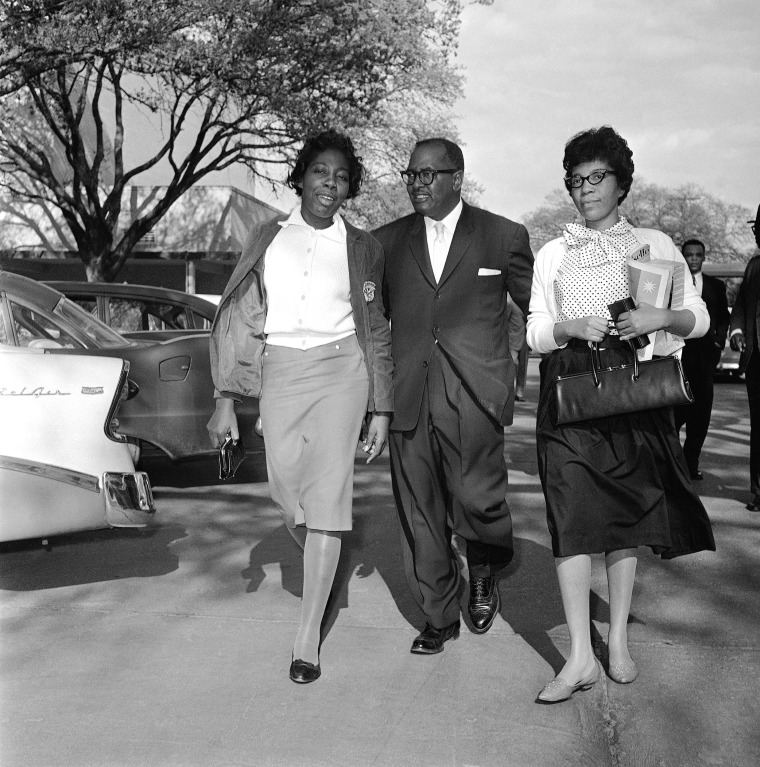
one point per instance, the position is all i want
(614, 483)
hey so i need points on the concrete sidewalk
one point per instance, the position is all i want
(171, 647)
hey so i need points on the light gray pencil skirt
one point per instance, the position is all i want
(312, 406)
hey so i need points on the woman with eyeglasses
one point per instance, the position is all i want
(611, 484)
(301, 326)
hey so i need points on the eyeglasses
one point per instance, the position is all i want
(426, 176)
(575, 182)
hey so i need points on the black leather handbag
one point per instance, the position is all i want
(231, 455)
(602, 392)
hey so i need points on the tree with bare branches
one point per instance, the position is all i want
(240, 82)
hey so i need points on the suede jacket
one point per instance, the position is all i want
(237, 333)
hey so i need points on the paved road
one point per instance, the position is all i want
(170, 648)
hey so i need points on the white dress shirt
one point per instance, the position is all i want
(439, 247)
(307, 285)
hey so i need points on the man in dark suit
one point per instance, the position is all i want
(448, 270)
(700, 356)
(745, 337)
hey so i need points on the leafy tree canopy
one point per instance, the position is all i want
(245, 79)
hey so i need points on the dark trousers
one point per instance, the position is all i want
(449, 476)
(698, 366)
(752, 380)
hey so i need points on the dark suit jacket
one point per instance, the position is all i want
(705, 351)
(465, 314)
(744, 315)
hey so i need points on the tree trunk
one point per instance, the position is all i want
(94, 267)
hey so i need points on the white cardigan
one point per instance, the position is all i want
(543, 312)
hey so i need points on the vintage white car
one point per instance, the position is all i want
(64, 467)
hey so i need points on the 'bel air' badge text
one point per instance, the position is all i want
(92, 390)
(37, 391)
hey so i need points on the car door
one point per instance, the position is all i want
(176, 398)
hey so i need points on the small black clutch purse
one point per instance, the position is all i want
(231, 455)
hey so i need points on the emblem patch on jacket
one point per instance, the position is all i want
(369, 291)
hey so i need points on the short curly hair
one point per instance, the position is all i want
(601, 144)
(321, 142)
(694, 241)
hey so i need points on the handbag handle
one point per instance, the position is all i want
(596, 362)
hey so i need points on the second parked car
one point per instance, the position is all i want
(141, 311)
(175, 391)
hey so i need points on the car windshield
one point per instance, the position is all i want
(98, 331)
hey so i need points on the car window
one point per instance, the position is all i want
(36, 331)
(199, 321)
(90, 305)
(129, 315)
(96, 333)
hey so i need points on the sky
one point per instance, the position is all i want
(678, 79)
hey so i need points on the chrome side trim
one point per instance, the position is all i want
(48, 471)
(129, 498)
(115, 402)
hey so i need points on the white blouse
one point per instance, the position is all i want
(307, 282)
(544, 312)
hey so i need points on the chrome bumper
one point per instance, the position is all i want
(129, 499)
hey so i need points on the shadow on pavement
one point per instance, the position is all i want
(365, 550)
(532, 606)
(89, 557)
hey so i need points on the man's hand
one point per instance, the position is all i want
(377, 436)
(738, 344)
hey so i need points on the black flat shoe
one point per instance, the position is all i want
(302, 672)
(696, 474)
(754, 504)
(484, 603)
(431, 640)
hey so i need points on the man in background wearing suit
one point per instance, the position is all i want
(700, 356)
(448, 270)
(745, 337)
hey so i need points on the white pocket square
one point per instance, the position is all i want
(483, 272)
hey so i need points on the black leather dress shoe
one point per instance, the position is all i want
(303, 672)
(431, 640)
(754, 504)
(696, 474)
(484, 603)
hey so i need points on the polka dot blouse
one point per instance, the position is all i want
(593, 271)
